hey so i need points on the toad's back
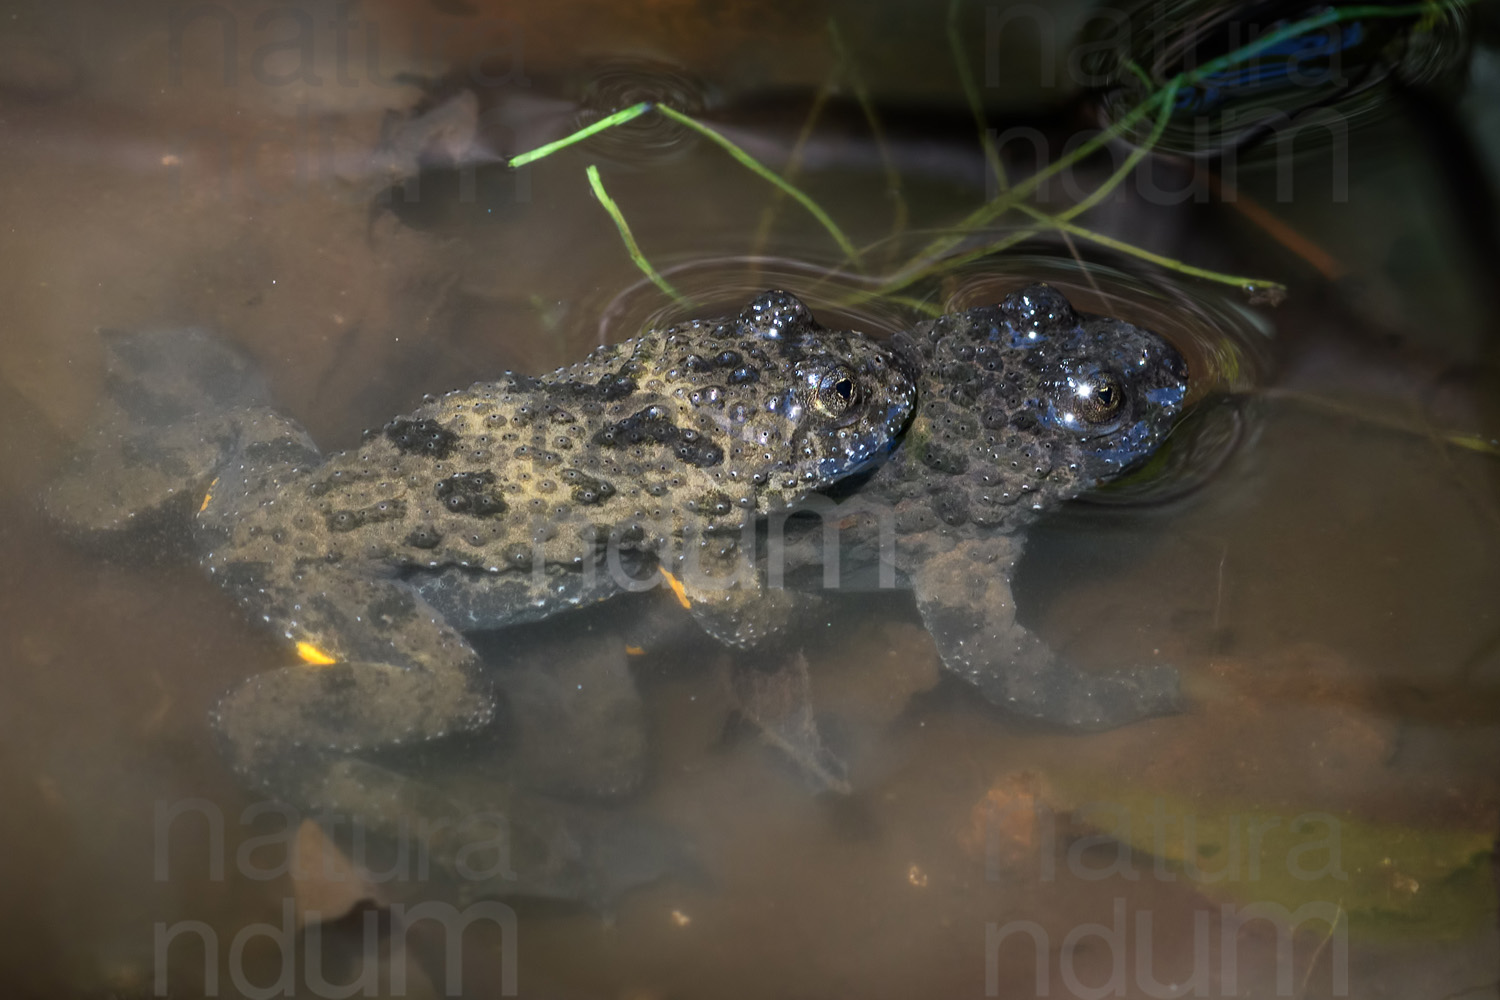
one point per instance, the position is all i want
(695, 430)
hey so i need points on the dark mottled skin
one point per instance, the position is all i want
(1010, 423)
(656, 452)
(1021, 405)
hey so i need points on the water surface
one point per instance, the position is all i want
(1328, 591)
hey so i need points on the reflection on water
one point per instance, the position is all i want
(1326, 78)
(1326, 586)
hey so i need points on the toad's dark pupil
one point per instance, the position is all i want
(1103, 400)
(844, 388)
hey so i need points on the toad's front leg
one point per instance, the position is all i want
(964, 596)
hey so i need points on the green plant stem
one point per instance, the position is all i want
(1137, 154)
(609, 121)
(971, 94)
(908, 276)
(935, 257)
(793, 168)
(935, 251)
(629, 239)
(1455, 439)
(950, 262)
(996, 207)
(877, 131)
(1043, 222)
(770, 176)
(929, 309)
(1238, 281)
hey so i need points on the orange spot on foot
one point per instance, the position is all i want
(313, 656)
(208, 496)
(634, 651)
(677, 588)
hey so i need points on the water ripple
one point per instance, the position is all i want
(621, 81)
(1322, 83)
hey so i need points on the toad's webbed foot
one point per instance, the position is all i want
(729, 598)
(575, 720)
(753, 618)
(159, 436)
(964, 597)
(769, 682)
(778, 701)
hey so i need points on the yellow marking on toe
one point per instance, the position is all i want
(634, 651)
(677, 588)
(313, 656)
(208, 496)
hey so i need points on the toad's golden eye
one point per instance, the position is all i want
(836, 393)
(1100, 398)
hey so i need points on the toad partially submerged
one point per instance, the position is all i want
(1022, 405)
(652, 453)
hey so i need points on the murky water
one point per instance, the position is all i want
(1318, 823)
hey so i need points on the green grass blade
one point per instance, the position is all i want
(793, 167)
(850, 69)
(971, 94)
(770, 176)
(1139, 153)
(932, 255)
(629, 239)
(1239, 281)
(1014, 197)
(953, 261)
(609, 121)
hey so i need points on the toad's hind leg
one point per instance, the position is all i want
(381, 669)
(160, 434)
(383, 672)
(964, 597)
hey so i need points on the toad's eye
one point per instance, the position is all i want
(836, 392)
(1099, 398)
